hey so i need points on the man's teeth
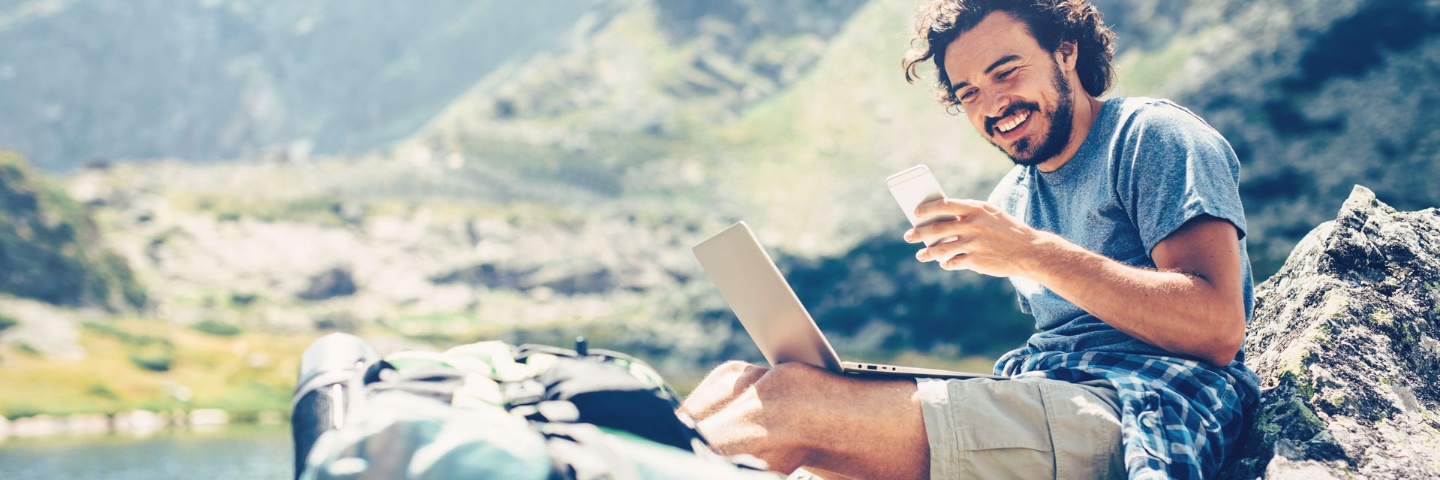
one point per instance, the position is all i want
(1014, 122)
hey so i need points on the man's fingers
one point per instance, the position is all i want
(720, 387)
(941, 250)
(942, 231)
(958, 262)
(959, 207)
(735, 374)
(749, 375)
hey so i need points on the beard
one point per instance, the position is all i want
(1055, 139)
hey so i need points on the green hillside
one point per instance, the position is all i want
(799, 154)
(50, 249)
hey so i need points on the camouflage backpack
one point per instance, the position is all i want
(493, 410)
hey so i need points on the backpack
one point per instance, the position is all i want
(493, 410)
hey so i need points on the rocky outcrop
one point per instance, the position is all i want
(1345, 342)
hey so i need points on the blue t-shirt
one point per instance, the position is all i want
(1146, 167)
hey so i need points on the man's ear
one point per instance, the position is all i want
(1066, 55)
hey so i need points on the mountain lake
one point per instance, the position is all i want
(230, 453)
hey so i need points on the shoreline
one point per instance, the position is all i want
(137, 423)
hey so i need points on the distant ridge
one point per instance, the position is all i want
(90, 80)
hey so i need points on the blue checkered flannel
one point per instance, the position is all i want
(1178, 417)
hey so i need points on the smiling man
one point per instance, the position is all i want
(1122, 230)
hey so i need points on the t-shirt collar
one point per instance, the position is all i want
(1104, 125)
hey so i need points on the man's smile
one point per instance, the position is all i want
(1009, 123)
(1012, 124)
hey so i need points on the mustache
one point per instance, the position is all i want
(1011, 110)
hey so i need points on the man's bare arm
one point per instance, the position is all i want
(1192, 304)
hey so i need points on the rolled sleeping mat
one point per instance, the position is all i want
(326, 389)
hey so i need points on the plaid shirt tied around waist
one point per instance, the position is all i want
(1178, 417)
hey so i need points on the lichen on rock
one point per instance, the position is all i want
(1344, 339)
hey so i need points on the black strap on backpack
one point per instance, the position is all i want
(608, 395)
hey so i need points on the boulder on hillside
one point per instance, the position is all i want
(1344, 339)
(336, 282)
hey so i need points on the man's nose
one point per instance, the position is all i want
(993, 105)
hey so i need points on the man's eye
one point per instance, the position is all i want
(1006, 74)
(967, 96)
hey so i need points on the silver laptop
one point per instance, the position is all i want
(773, 315)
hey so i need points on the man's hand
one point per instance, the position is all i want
(986, 239)
(1190, 304)
(797, 415)
(720, 388)
(739, 411)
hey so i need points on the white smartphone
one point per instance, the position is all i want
(912, 187)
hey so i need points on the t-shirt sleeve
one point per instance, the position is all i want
(1173, 167)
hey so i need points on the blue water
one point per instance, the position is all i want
(237, 453)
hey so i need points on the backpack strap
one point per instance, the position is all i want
(610, 396)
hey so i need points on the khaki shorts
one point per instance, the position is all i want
(1027, 428)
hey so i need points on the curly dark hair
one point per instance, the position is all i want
(1052, 22)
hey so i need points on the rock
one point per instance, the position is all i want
(203, 418)
(87, 424)
(1344, 339)
(36, 426)
(140, 422)
(47, 330)
(336, 282)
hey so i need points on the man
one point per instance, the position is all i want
(1122, 230)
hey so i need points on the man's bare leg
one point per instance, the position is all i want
(795, 415)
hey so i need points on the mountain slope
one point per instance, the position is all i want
(792, 130)
(87, 80)
(1317, 96)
